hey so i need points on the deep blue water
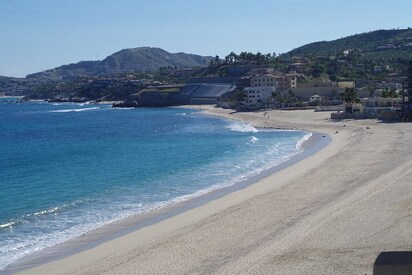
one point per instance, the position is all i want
(68, 168)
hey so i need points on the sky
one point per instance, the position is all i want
(37, 35)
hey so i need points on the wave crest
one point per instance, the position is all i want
(254, 139)
(7, 225)
(300, 142)
(242, 127)
(74, 110)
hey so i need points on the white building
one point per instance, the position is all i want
(383, 108)
(282, 82)
(265, 80)
(286, 81)
(257, 97)
(373, 106)
(263, 86)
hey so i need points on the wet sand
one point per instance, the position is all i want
(330, 213)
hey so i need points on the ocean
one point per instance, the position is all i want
(67, 168)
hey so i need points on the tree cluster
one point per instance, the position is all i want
(245, 58)
(350, 97)
(389, 93)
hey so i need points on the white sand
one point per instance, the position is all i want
(331, 213)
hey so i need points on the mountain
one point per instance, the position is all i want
(7, 78)
(387, 41)
(142, 59)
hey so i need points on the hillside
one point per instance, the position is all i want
(8, 78)
(375, 41)
(143, 59)
(386, 44)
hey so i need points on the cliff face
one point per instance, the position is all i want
(160, 99)
(154, 99)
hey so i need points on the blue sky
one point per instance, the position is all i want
(36, 35)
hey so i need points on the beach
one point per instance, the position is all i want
(330, 213)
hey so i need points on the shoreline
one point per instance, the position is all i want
(332, 212)
(109, 232)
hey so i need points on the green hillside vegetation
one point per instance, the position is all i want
(143, 59)
(380, 40)
(355, 57)
(238, 64)
(86, 91)
(110, 88)
(8, 79)
(167, 89)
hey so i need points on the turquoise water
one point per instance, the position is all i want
(68, 168)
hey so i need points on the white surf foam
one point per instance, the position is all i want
(303, 140)
(8, 224)
(74, 110)
(53, 238)
(241, 127)
(254, 139)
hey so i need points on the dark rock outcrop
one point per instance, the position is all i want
(125, 104)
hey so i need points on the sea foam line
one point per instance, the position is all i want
(301, 141)
(74, 110)
(52, 239)
(55, 238)
(8, 224)
(238, 126)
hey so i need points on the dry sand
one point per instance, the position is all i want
(331, 213)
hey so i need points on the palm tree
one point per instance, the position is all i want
(217, 60)
(258, 58)
(233, 57)
(267, 57)
(350, 97)
(249, 56)
(242, 56)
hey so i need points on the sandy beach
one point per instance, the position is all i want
(331, 213)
